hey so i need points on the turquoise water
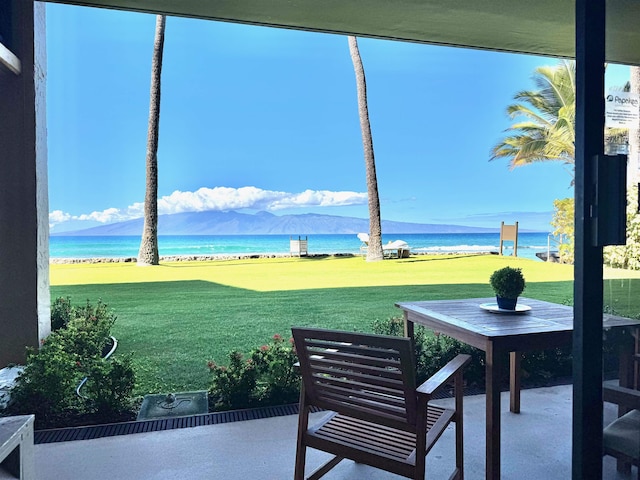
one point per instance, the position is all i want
(127, 246)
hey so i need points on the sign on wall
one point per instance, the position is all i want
(622, 110)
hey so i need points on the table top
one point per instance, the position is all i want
(11, 426)
(466, 314)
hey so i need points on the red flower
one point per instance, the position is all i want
(277, 337)
(264, 348)
(78, 364)
(211, 364)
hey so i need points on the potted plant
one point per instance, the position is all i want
(508, 283)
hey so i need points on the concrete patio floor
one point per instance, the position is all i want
(536, 445)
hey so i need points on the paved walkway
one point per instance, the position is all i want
(536, 445)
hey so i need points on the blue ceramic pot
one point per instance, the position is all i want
(507, 303)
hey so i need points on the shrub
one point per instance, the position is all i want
(278, 384)
(434, 351)
(109, 388)
(88, 331)
(507, 282)
(266, 378)
(628, 255)
(47, 386)
(60, 313)
(233, 386)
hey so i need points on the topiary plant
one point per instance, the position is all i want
(507, 282)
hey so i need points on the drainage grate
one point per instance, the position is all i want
(126, 428)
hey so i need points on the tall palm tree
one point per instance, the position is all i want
(545, 131)
(374, 251)
(148, 254)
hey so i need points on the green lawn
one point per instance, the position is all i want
(176, 316)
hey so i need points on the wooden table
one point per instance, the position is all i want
(546, 325)
(16, 447)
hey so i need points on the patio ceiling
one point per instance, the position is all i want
(541, 27)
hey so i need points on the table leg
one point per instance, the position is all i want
(627, 375)
(408, 326)
(514, 381)
(494, 365)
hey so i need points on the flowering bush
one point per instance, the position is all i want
(267, 377)
(279, 384)
(233, 386)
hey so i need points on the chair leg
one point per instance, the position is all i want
(301, 448)
(324, 469)
(301, 454)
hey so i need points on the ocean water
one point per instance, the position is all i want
(127, 246)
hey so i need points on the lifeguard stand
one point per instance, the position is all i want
(509, 233)
(298, 246)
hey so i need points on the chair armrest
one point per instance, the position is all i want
(622, 396)
(444, 375)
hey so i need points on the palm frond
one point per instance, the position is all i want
(545, 128)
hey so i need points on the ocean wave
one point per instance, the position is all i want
(456, 248)
(473, 248)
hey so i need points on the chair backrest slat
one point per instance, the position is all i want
(357, 372)
(360, 375)
(356, 383)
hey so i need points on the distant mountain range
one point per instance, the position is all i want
(263, 223)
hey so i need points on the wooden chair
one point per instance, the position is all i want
(376, 416)
(621, 438)
(509, 233)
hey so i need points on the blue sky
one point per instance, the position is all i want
(256, 118)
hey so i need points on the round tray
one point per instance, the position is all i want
(494, 308)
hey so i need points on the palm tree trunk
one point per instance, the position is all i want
(374, 252)
(148, 254)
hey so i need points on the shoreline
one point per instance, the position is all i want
(237, 256)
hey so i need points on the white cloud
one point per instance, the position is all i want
(221, 199)
(58, 216)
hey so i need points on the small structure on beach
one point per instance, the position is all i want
(298, 247)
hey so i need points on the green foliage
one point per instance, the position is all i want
(279, 384)
(433, 351)
(266, 378)
(241, 304)
(507, 282)
(109, 387)
(544, 129)
(47, 386)
(438, 349)
(627, 256)
(88, 330)
(563, 224)
(233, 386)
(60, 312)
